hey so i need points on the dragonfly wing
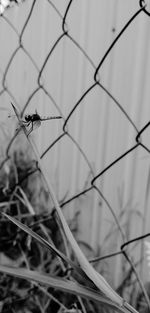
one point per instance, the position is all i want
(19, 127)
(15, 110)
(36, 124)
(33, 125)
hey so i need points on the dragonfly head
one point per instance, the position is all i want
(28, 118)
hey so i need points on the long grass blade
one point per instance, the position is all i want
(97, 278)
(44, 242)
(60, 284)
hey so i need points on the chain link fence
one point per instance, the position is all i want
(42, 87)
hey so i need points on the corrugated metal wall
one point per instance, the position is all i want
(98, 125)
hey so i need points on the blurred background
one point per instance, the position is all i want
(49, 53)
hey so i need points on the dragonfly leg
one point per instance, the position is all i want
(31, 129)
(22, 124)
(25, 122)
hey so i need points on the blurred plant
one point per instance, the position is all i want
(20, 183)
(128, 281)
(5, 4)
(23, 197)
(141, 305)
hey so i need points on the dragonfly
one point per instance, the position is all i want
(34, 120)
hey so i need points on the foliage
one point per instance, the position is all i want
(20, 250)
(20, 180)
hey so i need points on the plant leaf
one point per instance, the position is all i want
(61, 284)
(44, 242)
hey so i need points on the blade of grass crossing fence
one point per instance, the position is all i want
(60, 284)
(97, 279)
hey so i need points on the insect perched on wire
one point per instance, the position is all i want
(34, 120)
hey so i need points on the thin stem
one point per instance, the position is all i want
(97, 279)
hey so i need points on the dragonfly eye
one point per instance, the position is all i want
(27, 118)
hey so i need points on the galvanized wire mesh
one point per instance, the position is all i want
(65, 132)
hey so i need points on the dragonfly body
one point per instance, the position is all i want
(34, 120)
(36, 117)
